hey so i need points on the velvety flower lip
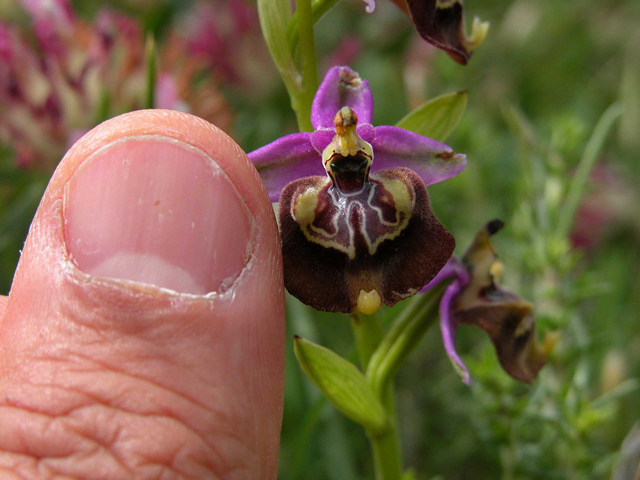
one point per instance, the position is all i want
(475, 298)
(300, 154)
(355, 218)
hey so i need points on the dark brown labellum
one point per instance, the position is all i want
(379, 240)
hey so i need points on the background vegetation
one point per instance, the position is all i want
(537, 86)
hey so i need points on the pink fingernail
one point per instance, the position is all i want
(157, 211)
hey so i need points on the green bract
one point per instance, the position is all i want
(436, 118)
(342, 383)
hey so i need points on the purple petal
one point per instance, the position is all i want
(453, 267)
(285, 160)
(371, 6)
(433, 161)
(367, 132)
(448, 328)
(320, 139)
(341, 87)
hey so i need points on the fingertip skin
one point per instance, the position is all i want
(224, 351)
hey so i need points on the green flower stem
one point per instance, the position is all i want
(383, 364)
(275, 16)
(385, 445)
(367, 332)
(387, 459)
(318, 9)
(382, 357)
(587, 162)
(405, 334)
(308, 64)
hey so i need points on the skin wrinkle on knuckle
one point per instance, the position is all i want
(14, 464)
(36, 461)
(163, 460)
(117, 402)
(7, 474)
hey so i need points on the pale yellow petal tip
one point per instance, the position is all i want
(495, 270)
(478, 33)
(549, 342)
(369, 302)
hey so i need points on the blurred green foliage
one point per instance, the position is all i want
(537, 87)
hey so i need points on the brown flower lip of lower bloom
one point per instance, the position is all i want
(507, 318)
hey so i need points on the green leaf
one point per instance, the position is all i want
(436, 118)
(587, 162)
(342, 383)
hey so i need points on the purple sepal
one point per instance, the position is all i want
(341, 87)
(285, 160)
(448, 327)
(432, 161)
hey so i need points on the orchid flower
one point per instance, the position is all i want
(475, 298)
(355, 218)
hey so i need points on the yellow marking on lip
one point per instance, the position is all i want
(403, 203)
(304, 208)
(304, 212)
(495, 270)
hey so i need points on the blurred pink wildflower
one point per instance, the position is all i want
(606, 209)
(225, 35)
(63, 75)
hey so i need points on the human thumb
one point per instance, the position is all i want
(143, 336)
